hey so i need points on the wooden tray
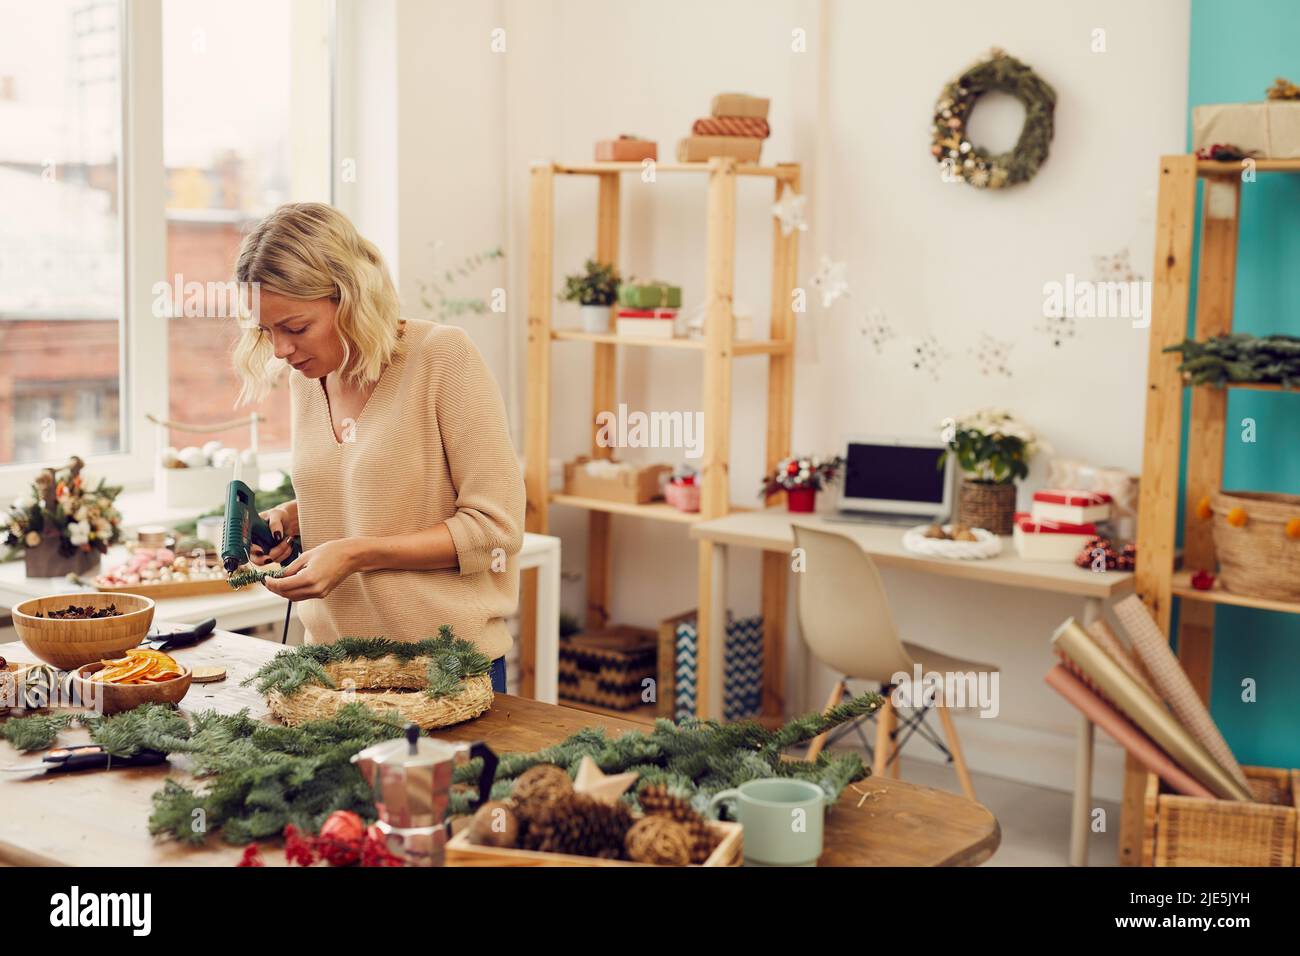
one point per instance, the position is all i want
(460, 852)
(170, 590)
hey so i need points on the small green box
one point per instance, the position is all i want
(650, 295)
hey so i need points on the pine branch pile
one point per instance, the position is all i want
(450, 658)
(1239, 357)
(256, 778)
(694, 759)
(147, 727)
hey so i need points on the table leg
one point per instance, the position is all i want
(1081, 814)
(547, 654)
(717, 633)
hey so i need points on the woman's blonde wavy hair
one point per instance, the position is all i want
(309, 250)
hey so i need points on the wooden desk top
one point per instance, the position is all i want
(99, 818)
(772, 530)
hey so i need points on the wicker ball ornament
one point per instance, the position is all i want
(657, 800)
(494, 824)
(544, 783)
(660, 840)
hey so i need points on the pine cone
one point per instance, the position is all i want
(657, 799)
(578, 824)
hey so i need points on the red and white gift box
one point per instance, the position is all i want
(1039, 539)
(1068, 506)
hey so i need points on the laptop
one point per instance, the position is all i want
(895, 481)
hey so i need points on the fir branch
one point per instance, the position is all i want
(247, 576)
(147, 727)
(35, 732)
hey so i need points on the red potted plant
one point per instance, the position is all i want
(801, 479)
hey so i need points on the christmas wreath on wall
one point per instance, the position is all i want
(434, 683)
(966, 161)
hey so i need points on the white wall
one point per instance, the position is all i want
(941, 259)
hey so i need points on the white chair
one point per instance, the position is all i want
(847, 624)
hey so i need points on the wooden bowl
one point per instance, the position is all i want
(115, 698)
(67, 644)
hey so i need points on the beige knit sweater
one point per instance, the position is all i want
(430, 445)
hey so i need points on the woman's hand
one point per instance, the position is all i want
(315, 573)
(284, 526)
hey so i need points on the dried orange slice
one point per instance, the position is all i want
(124, 673)
(165, 659)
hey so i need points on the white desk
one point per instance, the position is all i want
(772, 530)
(254, 606)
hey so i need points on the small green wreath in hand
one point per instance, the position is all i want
(963, 160)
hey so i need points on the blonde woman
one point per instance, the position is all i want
(410, 502)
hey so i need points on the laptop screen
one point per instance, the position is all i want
(894, 473)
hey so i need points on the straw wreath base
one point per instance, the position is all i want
(383, 685)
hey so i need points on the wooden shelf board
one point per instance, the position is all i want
(658, 510)
(744, 169)
(738, 347)
(1210, 167)
(1248, 386)
(1182, 587)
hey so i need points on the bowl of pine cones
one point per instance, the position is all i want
(549, 822)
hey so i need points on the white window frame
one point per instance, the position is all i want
(142, 187)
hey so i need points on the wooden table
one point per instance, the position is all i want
(772, 530)
(99, 818)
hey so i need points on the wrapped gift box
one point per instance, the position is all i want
(626, 149)
(1269, 130)
(739, 104)
(612, 480)
(650, 295)
(1042, 540)
(1071, 506)
(697, 149)
(642, 328)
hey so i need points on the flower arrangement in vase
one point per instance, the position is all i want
(801, 478)
(65, 526)
(595, 291)
(993, 449)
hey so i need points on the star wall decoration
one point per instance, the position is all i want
(928, 355)
(831, 281)
(791, 210)
(1114, 268)
(877, 330)
(991, 354)
(1058, 328)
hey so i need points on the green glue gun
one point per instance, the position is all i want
(245, 528)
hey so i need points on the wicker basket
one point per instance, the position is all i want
(986, 505)
(1194, 831)
(1258, 558)
(383, 684)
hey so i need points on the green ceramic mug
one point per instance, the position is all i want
(782, 818)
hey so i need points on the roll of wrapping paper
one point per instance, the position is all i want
(1124, 732)
(1148, 713)
(750, 126)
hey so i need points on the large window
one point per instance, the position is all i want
(246, 106)
(60, 229)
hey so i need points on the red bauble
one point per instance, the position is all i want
(1203, 580)
(344, 826)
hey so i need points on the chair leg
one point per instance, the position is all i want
(886, 723)
(818, 742)
(958, 758)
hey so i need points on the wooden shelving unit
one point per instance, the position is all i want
(718, 348)
(1157, 579)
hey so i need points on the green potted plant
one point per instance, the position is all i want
(595, 291)
(993, 449)
(65, 525)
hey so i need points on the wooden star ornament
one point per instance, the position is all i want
(607, 788)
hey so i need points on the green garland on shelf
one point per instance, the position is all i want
(1241, 358)
(451, 660)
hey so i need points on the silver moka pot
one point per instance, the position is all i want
(411, 779)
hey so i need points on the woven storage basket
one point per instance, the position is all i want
(1258, 558)
(1193, 831)
(384, 684)
(986, 505)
